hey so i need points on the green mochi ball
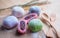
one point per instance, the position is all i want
(35, 25)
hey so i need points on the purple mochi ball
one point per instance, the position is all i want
(10, 22)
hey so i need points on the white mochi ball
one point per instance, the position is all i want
(18, 11)
(10, 21)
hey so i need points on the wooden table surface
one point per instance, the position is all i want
(54, 7)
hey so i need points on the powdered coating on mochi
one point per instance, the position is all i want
(18, 11)
(11, 21)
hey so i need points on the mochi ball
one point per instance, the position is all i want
(18, 11)
(10, 22)
(35, 25)
(35, 9)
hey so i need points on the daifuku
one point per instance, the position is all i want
(10, 22)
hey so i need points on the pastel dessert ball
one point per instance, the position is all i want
(35, 9)
(35, 25)
(10, 22)
(18, 11)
